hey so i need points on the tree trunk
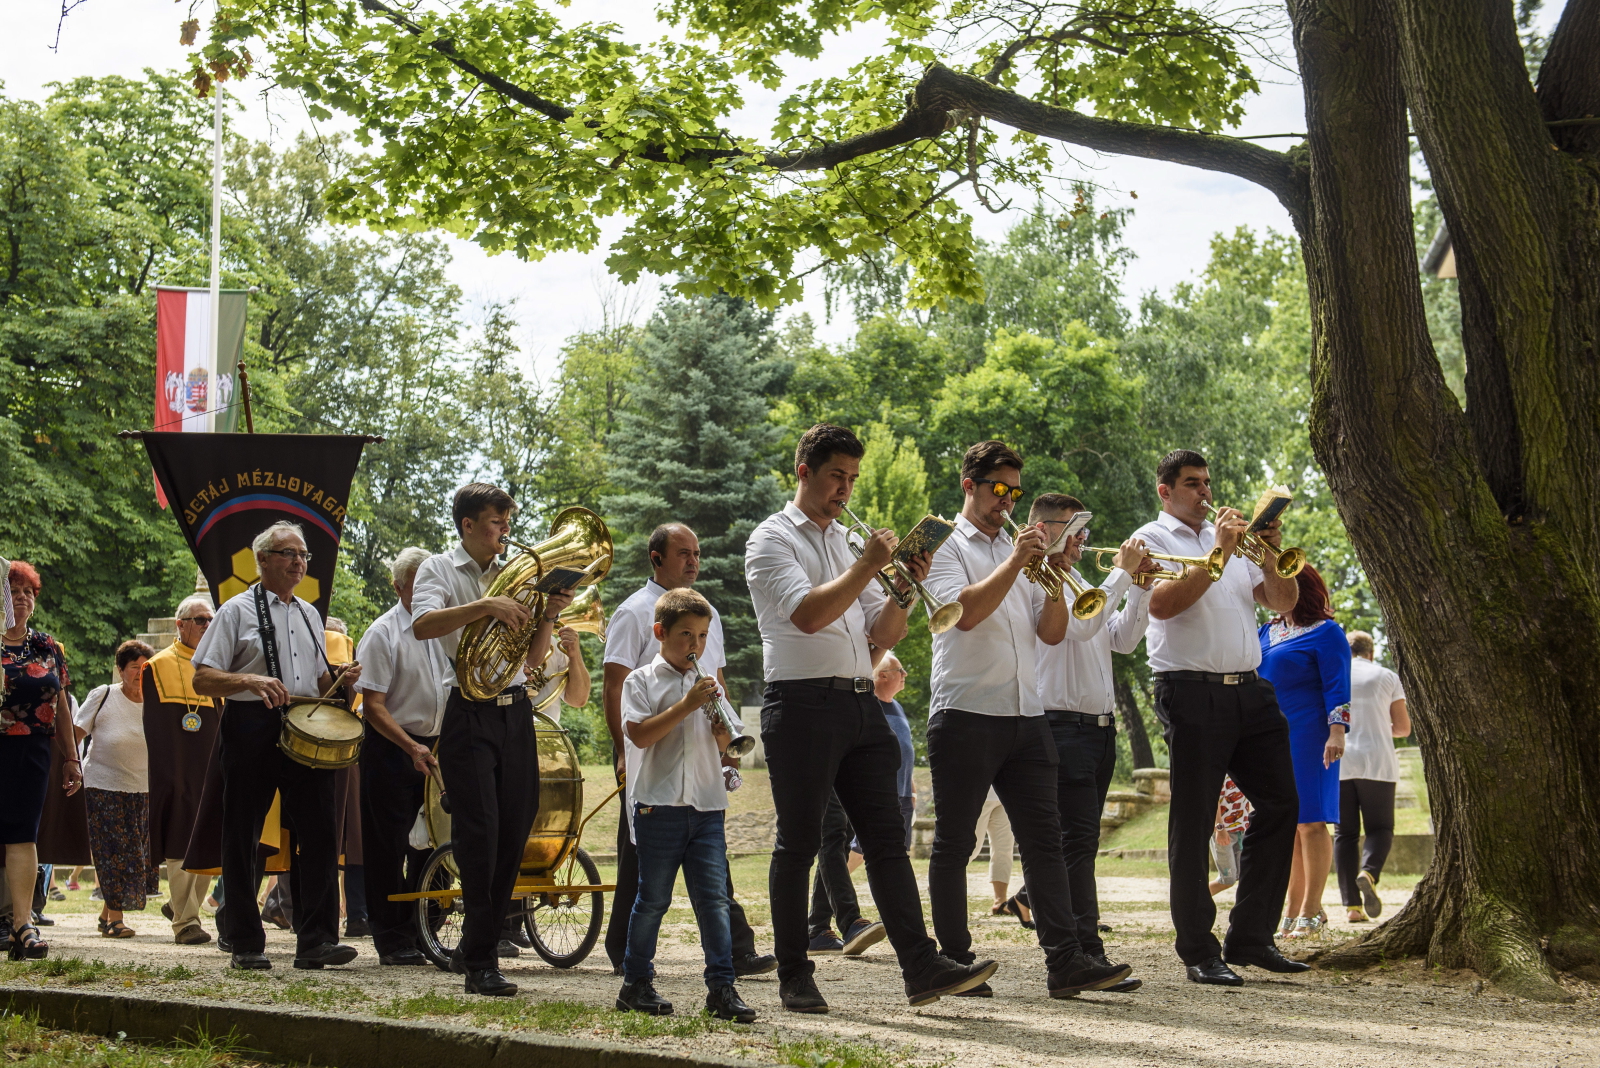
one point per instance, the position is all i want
(1476, 529)
(1132, 722)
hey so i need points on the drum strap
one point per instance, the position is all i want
(269, 635)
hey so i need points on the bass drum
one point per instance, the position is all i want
(555, 828)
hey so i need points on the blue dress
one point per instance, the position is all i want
(1310, 669)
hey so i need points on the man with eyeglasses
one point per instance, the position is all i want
(262, 652)
(180, 730)
(988, 726)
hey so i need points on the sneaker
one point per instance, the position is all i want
(825, 943)
(861, 936)
(1371, 903)
(802, 995)
(56, 894)
(96, 895)
(945, 976)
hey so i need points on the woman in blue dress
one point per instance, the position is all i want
(1307, 659)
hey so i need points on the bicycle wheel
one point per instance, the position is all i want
(564, 926)
(439, 919)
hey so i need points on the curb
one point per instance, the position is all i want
(293, 1036)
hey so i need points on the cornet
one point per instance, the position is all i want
(941, 617)
(1254, 548)
(1212, 564)
(741, 744)
(1087, 601)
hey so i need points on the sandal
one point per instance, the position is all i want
(27, 945)
(116, 929)
(998, 909)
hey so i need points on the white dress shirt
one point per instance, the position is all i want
(1217, 632)
(233, 643)
(631, 637)
(785, 559)
(408, 672)
(119, 759)
(684, 767)
(554, 681)
(450, 580)
(1369, 743)
(990, 668)
(1075, 676)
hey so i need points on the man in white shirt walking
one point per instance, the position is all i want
(987, 725)
(403, 704)
(486, 748)
(1367, 777)
(821, 724)
(1221, 718)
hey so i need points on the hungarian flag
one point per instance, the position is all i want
(189, 380)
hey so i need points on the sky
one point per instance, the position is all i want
(1177, 210)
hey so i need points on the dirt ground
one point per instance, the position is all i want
(1386, 1018)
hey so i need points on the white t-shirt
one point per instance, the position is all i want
(118, 759)
(1369, 743)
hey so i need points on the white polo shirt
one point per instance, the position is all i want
(990, 668)
(233, 643)
(408, 672)
(1369, 743)
(450, 580)
(684, 767)
(1075, 676)
(786, 558)
(1217, 632)
(631, 638)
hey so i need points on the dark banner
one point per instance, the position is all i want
(227, 488)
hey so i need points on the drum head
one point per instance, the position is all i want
(326, 722)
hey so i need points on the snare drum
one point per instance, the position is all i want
(321, 734)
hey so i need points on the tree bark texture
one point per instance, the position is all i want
(1132, 721)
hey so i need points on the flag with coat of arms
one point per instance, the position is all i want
(190, 381)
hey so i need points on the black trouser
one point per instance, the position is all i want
(1088, 754)
(252, 768)
(1370, 802)
(1213, 731)
(744, 939)
(391, 793)
(968, 753)
(833, 893)
(491, 771)
(819, 739)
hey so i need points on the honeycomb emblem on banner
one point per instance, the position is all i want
(245, 572)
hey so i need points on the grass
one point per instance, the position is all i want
(28, 1045)
(841, 1053)
(555, 1016)
(1148, 830)
(78, 971)
(313, 994)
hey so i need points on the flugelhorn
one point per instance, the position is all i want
(1254, 548)
(491, 652)
(941, 617)
(719, 717)
(586, 615)
(1212, 564)
(1087, 601)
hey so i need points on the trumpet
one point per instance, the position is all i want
(1254, 548)
(1087, 601)
(718, 715)
(1212, 564)
(941, 617)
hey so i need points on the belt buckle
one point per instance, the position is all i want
(862, 685)
(1103, 720)
(503, 699)
(1230, 680)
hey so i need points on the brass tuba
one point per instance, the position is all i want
(492, 653)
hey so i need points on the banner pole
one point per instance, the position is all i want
(216, 255)
(244, 395)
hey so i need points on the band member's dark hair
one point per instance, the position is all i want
(471, 501)
(1054, 502)
(1174, 462)
(658, 541)
(675, 604)
(824, 441)
(988, 456)
(131, 650)
(1314, 604)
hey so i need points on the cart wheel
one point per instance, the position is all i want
(439, 920)
(565, 926)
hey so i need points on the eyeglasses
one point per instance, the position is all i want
(291, 554)
(199, 621)
(1000, 488)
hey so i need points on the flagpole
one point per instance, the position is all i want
(212, 393)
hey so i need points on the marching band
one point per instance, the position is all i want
(1021, 703)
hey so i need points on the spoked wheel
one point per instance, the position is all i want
(439, 919)
(563, 925)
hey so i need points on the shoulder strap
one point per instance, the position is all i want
(269, 634)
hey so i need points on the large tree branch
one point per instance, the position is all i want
(1569, 78)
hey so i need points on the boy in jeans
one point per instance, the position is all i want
(675, 784)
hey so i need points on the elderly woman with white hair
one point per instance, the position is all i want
(404, 694)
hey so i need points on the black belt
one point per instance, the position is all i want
(1230, 679)
(833, 682)
(1106, 720)
(509, 696)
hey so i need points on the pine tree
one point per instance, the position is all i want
(696, 447)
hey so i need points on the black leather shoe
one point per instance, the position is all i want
(947, 977)
(357, 929)
(1121, 986)
(802, 995)
(1214, 972)
(490, 983)
(642, 997)
(982, 990)
(754, 964)
(1266, 957)
(223, 944)
(408, 958)
(250, 962)
(324, 955)
(517, 935)
(1085, 973)
(507, 949)
(725, 1004)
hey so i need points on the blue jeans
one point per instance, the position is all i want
(672, 837)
